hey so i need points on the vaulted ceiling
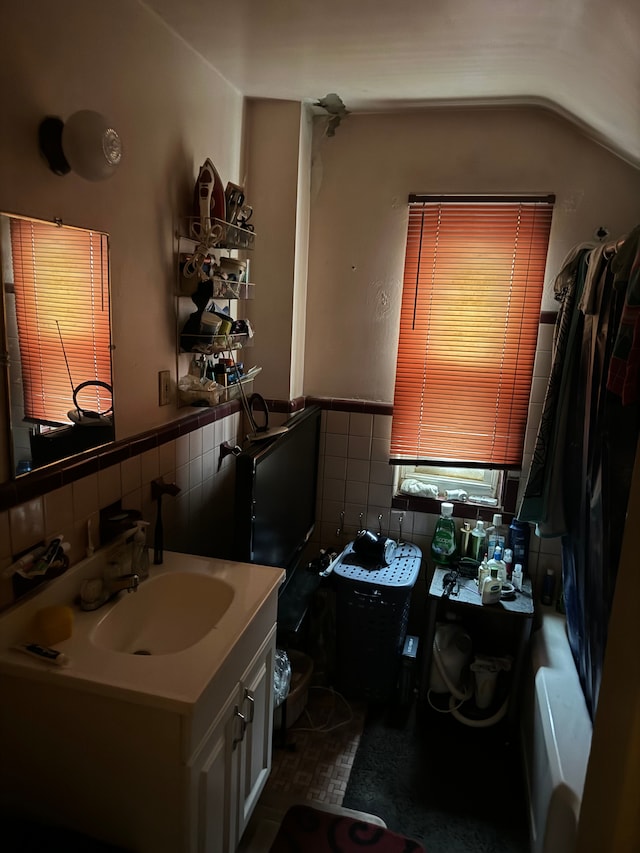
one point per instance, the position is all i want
(578, 57)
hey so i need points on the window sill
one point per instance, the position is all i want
(461, 509)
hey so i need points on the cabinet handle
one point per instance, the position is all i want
(248, 697)
(243, 726)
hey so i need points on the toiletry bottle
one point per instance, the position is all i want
(497, 563)
(465, 540)
(516, 576)
(518, 540)
(483, 572)
(140, 553)
(497, 533)
(456, 495)
(443, 544)
(491, 588)
(508, 561)
(478, 541)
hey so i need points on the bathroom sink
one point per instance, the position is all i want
(167, 614)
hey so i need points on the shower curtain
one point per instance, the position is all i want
(579, 480)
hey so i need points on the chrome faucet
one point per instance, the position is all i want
(95, 592)
(129, 582)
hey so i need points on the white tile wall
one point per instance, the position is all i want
(58, 511)
(355, 477)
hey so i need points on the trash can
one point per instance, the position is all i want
(301, 672)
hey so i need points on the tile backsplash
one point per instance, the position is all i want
(364, 488)
(193, 521)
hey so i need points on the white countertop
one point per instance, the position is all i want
(175, 680)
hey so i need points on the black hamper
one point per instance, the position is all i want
(372, 611)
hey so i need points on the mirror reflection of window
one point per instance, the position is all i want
(58, 327)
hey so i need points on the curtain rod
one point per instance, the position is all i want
(500, 199)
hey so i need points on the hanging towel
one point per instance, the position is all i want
(536, 504)
(596, 262)
(624, 370)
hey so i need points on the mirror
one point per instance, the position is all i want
(57, 331)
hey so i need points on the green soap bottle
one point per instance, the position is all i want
(443, 544)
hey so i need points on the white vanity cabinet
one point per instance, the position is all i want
(152, 754)
(230, 769)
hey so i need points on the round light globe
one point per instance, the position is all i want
(91, 146)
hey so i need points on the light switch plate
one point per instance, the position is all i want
(164, 387)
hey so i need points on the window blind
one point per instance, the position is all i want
(49, 262)
(473, 279)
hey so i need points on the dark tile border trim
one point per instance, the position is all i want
(287, 406)
(336, 404)
(59, 474)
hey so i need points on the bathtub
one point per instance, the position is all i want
(556, 730)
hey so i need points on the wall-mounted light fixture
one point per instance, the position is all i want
(86, 144)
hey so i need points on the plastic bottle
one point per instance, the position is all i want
(497, 563)
(491, 588)
(518, 541)
(140, 553)
(456, 495)
(465, 540)
(478, 541)
(443, 544)
(483, 572)
(516, 576)
(497, 533)
(508, 561)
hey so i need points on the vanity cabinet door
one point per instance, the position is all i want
(255, 748)
(230, 770)
(216, 782)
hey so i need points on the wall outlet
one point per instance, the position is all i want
(164, 387)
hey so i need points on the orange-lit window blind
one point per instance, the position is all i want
(473, 278)
(50, 262)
